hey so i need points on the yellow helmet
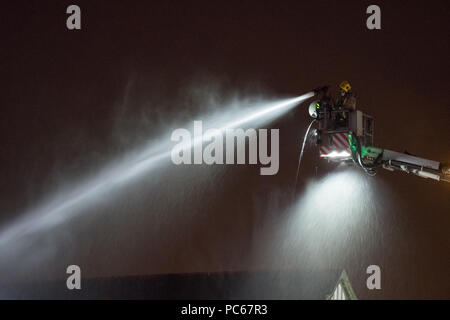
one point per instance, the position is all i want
(345, 86)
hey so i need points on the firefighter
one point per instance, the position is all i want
(346, 99)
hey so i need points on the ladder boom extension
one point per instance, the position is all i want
(424, 168)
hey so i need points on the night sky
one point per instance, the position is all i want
(73, 102)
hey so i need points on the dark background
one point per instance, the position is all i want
(72, 101)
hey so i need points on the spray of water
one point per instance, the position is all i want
(301, 154)
(335, 222)
(64, 207)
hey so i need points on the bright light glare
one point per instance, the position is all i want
(334, 216)
(335, 154)
(63, 207)
(336, 198)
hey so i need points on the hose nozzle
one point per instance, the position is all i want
(322, 89)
